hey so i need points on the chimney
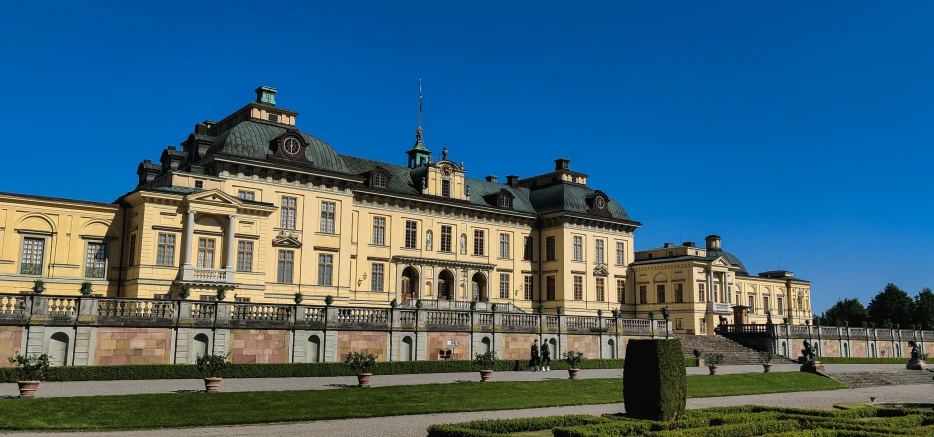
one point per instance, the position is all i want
(562, 164)
(265, 94)
(201, 128)
(713, 242)
(667, 245)
(688, 244)
(491, 178)
(513, 181)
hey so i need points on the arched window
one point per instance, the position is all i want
(313, 353)
(487, 347)
(58, 349)
(405, 353)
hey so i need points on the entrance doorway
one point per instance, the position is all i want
(478, 284)
(409, 283)
(446, 285)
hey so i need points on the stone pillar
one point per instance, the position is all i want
(710, 287)
(189, 236)
(230, 264)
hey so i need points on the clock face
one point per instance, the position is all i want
(599, 202)
(445, 170)
(292, 146)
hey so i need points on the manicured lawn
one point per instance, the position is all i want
(202, 409)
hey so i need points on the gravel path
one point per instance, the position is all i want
(414, 426)
(102, 388)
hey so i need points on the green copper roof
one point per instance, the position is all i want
(251, 139)
(571, 198)
(729, 257)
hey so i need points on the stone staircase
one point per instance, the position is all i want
(733, 352)
(881, 378)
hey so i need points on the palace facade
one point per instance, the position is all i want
(254, 205)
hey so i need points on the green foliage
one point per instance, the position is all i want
(184, 291)
(891, 306)
(485, 361)
(30, 368)
(86, 288)
(765, 357)
(924, 309)
(712, 359)
(360, 363)
(38, 286)
(845, 311)
(211, 366)
(221, 293)
(328, 300)
(573, 359)
(489, 428)
(298, 297)
(854, 360)
(654, 379)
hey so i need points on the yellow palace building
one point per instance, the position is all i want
(255, 205)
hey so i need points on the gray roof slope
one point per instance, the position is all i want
(570, 197)
(730, 258)
(251, 139)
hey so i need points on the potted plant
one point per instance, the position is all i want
(615, 312)
(361, 364)
(485, 362)
(328, 300)
(599, 313)
(38, 286)
(785, 320)
(393, 303)
(712, 360)
(493, 307)
(573, 360)
(184, 291)
(31, 371)
(473, 305)
(86, 288)
(418, 303)
(540, 308)
(298, 298)
(221, 293)
(765, 357)
(210, 366)
(559, 310)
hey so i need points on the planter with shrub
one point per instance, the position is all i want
(713, 361)
(210, 366)
(86, 288)
(765, 357)
(361, 363)
(30, 371)
(573, 360)
(38, 286)
(485, 362)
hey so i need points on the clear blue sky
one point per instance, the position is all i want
(801, 133)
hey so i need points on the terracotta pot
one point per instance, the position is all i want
(363, 379)
(27, 389)
(713, 370)
(572, 373)
(486, 375)
(212, 384)
(767, 368)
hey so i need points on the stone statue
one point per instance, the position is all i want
(546, 358)
(534, 362)
(665, 313)
(424, 183)
(444, 153)
(722, 320)
(428, 240)
(915, 356)
(808, 352)
(463, 244)
(768, 318)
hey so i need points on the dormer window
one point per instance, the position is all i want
(273, 118)
(505, 201)
(446, 188)
(378, 180)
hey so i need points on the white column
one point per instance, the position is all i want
(710, 293)
(189, 236)
(231, 242)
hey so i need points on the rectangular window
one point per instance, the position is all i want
(716, 291)
(199, 184)
(660, 293)
(244, 256)
(781, 306)
(765, 304)
(285, 266)
(287, 214)
(550, 249)
(325, 269)
(527, 249)
(621, 290)
(679, 324)
(411, 234)
(601, 289)
(737, 300)
(206, 253)
(504, 246)
(527, 287)
(504, 286)
(620, 253)
(701, 292)
(578, 248)
(246, 195)
(379, 231)
(578, 287)
(273, 117)
(33, 249)
(96, 257)
(446, 236)
(752, 304)
(478, 244)
(132, 255)
(377, 279)
(165, 250)
(643, 294)
(679, 293)
(208, 298)
(162, 296)
(242, 300)
(703, 326)
(550, 288)
(599, 252)
(327, 217)
(446, 188)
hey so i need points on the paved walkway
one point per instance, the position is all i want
(415, 425)
(103, 388)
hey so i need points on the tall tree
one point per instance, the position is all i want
(892, 306)
(845, 311)
(924, 309)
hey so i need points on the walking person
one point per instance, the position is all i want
(534, 362)
(546, 358)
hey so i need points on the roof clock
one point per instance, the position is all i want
(291, 146)
(600, 203)
(446, 170)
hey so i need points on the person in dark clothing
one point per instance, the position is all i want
(534, 362)
(546, 358)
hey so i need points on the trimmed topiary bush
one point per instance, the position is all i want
(655, 384)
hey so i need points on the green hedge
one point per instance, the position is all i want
(854, 360)
(491, 428)
(654, 380)
(296, 370)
